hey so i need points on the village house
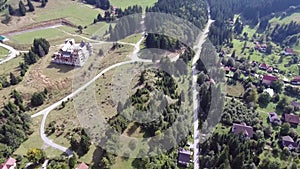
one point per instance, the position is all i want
(263, 66)
(10, 163)
(295, 103)
(296, 80)
(73, 54)
(274, 119)
(184, 157)
(260, 47)
(288, 141)
(288, 52)
(246, 131)
(293, 119)
(82, 166)
(268, 79)
(270, 69)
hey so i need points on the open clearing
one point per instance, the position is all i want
(28, 37)
(125, 3)
(76, 12)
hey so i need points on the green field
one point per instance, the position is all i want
(74, 12)
(28, 37)
(125, 3)
(3, 53)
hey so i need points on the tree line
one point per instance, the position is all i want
(22, 8)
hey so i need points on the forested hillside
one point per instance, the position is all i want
(252, 12)
(169, 30)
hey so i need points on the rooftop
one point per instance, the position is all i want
(243, 128)
(292, 118)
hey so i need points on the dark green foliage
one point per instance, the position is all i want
(229, 150)
(11, 10)
(281, 33)
(40, 47)
(264, 99)
(238, 26)
(43, 3)
(22, 8)
(237, 112)
(126, 26)
(16, 128)
(80, 142)
(30, 5)
(251, 12)
(277, 86)
(37, 99)
(13, 79)
(73, 161)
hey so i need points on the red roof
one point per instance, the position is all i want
(244, 129)
(296, 79)
(292, 118)
(289, 50)
(270, 78)
(9, 163)
(83, 166)
(264, 65)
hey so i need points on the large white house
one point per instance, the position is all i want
(73, 54)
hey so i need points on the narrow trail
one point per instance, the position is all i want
(12, 53)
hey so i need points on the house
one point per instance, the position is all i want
(2, 38)
(269, 91)
(260, 47)
(296, 80)
(295, 103)
(184, 157)
(289, 52)
(288, 141)
(246, 131)
(10, 163)
(263, 66)
(268, 79)
(273, 117)
(293, 119)
(270, 70)
(227, 69)
(73, 54)
(82, 166)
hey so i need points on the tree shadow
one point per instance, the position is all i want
(61, 67)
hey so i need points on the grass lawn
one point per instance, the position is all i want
(75, 12)
(236, 90)
(123, 163)
(66, 120)
(3, 53)
(132, 39)
(28, 37)
(125, 3)
(35, 141)
(99, 29)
